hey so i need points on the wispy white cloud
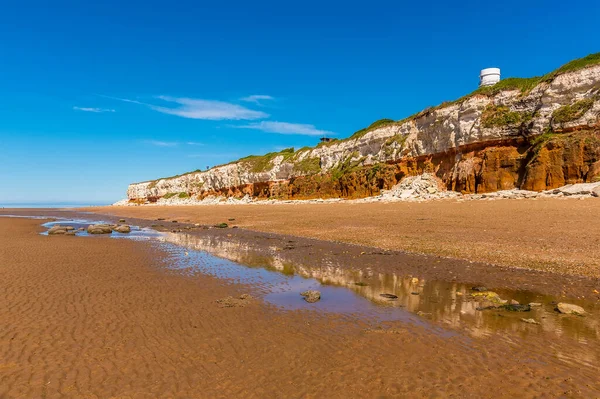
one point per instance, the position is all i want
(257, 98)
(207, 109)
(91, 109)
(200, 109)
(122, 99)
(159, 143)
(194, 108)
(286, 128)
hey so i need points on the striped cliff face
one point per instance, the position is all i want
(481, 143)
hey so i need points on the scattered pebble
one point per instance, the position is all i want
(231, 302)
(384, 331)
(530, 321)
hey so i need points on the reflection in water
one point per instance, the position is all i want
(446, 302)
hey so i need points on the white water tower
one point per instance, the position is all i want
(489, 76)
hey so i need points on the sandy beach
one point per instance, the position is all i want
(281, 200)
(94, 317)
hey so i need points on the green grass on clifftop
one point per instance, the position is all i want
(574, 65)
(524, 85)
(375, 125)
(261, 163)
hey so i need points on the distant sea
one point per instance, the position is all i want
(51, 205)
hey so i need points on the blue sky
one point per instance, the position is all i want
(96, 95)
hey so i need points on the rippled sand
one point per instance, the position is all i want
(98, 318)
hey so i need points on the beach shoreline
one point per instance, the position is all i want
(360, 257)
(556, 235)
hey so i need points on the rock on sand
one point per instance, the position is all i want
(567, 308)
(57, 229)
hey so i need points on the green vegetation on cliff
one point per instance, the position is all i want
(500, 116)
(348, 165)
(308, 165)
(568, 113)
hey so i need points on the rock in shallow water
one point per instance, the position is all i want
(489, 296)
(311, 296)
(57, 229)
(567, 308)
(516, 307)
(122, 229)
(99, 229)
(509, 307)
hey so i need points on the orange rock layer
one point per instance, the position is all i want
(544, 163)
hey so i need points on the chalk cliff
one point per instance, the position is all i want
(535, 134)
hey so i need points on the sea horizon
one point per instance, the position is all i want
(38, 205)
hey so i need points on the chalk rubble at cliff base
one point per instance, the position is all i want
(417, 188)
(425, 187)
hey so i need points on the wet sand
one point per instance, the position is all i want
(99, 317)
(557, 235)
